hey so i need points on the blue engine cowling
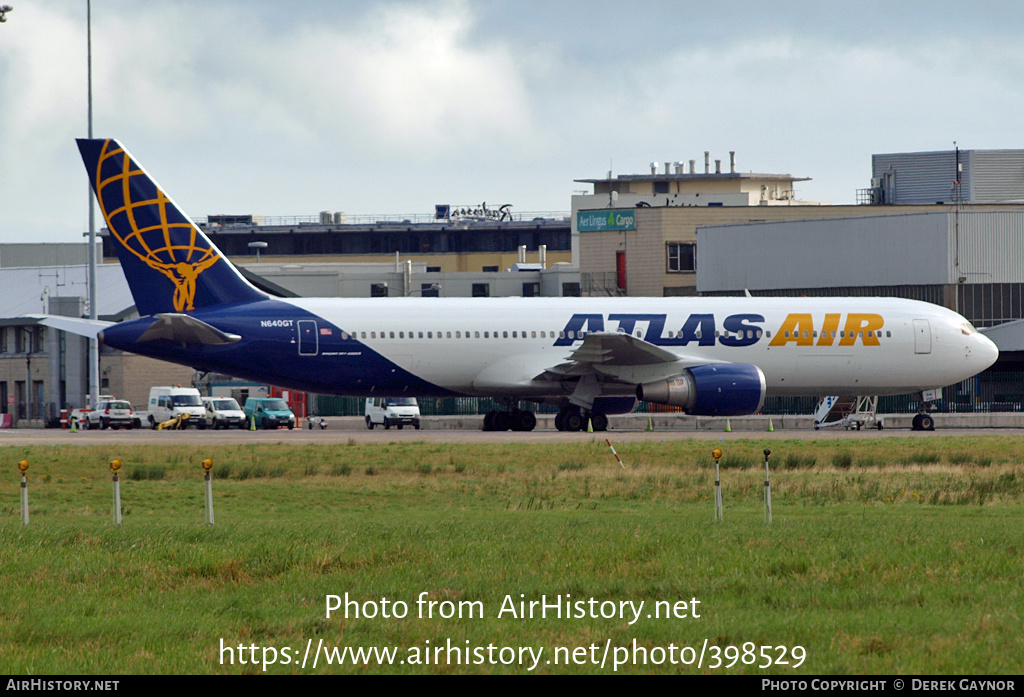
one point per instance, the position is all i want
(716, 389)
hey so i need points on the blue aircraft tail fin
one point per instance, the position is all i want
(171, 266)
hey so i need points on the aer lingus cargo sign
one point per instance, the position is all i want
(596, 221)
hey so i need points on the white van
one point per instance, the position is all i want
(392, 411)
(223, 412)
(166, 402)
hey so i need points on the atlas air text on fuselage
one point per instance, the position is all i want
(798, 328)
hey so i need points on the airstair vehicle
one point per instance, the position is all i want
(852, 413)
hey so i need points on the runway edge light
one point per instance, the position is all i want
(23, 466)
(717, 455)
(207, 466)
(115, 465)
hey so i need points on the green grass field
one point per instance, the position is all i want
(884, 556)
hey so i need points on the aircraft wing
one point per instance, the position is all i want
(74, 325)
(624, 358)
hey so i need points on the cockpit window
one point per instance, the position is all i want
(967, 329)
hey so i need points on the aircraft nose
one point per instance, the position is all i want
(983, 351)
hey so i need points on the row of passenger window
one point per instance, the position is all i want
(750, 334)
(454, 335)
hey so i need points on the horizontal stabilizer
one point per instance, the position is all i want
(187, 330)
(74, 325)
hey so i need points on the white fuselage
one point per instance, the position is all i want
(804, 346)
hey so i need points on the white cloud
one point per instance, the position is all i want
(394, 106)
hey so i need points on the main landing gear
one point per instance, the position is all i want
(514, 420)
(574, 419)
(568, 419)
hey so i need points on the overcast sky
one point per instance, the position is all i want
(291, 108)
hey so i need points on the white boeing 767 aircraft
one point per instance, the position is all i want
(590, 356)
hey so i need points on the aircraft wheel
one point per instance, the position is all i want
(560, 421)
(502, 421)
(573, 421)
(878, 425)
(927, 423)
(523, 421)
(915, 425)
(599, 421)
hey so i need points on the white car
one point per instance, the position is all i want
(112, 413)
(223, 412)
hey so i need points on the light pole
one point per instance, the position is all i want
(94, 347)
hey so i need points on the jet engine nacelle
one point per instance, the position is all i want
(717, 389)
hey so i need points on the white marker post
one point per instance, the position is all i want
(115, 465)
(767, 489)
(615, 453)
(717, 454)
(23, 466)
(208, 465)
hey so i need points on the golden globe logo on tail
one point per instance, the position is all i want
(137, 217)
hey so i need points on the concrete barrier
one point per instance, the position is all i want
(682, 422)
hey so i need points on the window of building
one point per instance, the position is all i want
(661, 187)
(482, 290)
(433, 269)
(531, 290)
(571, 290)
(487, 269)
(430, 290)
(378, 290)
(681, 257)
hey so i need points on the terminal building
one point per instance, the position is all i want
(636, 235)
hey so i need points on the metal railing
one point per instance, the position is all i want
(389, 218)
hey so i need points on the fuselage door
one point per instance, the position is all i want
(309, 339)
(922, 336)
